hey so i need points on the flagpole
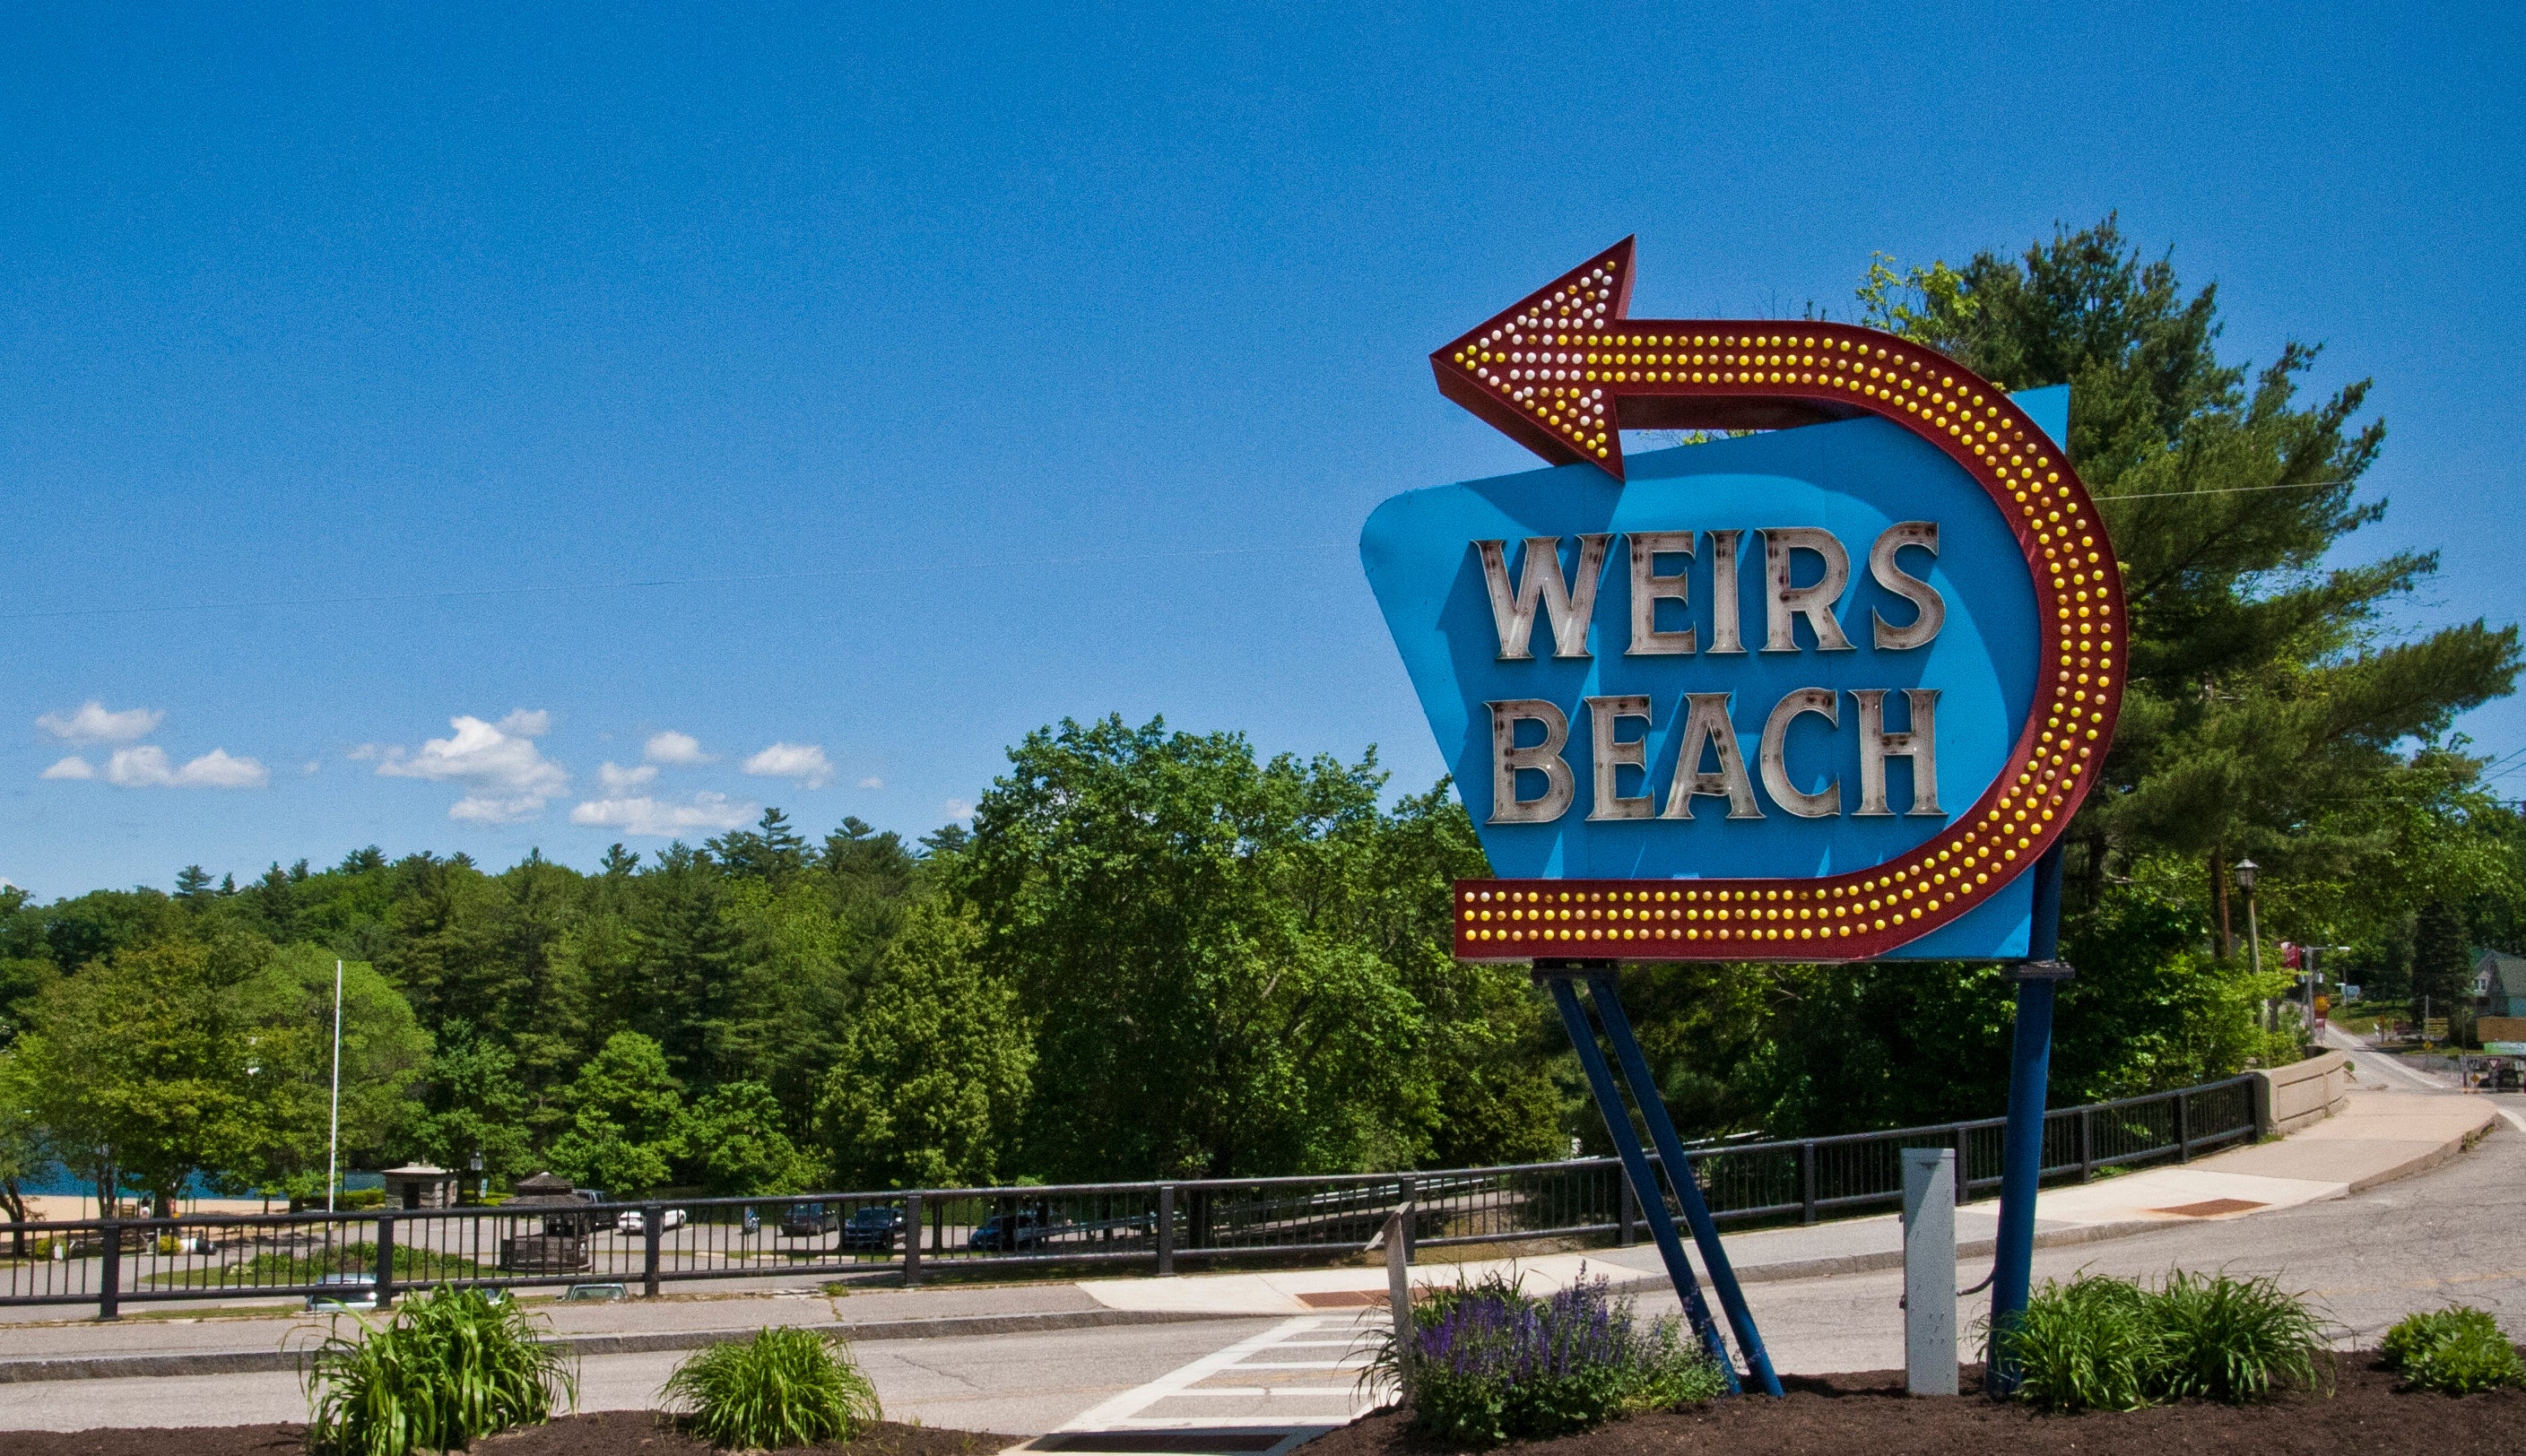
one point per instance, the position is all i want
(333, 1138)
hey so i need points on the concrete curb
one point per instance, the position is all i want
(295, 1361)
(2444, 1152)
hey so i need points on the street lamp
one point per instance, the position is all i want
(2245, 873)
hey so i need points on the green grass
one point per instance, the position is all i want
(264, 1270)
(453, 1365)
(2455, 1351)
(783, 1387)
(2107, 1344)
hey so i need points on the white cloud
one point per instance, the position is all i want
(310, 767)
(618, 779)
(92, 724)
(960, 809)
(72, 767)
(671, 747)
(804, 762)
(872, 782)
(506, 776)
(145, 766)
(664, 819)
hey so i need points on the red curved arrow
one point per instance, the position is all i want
(1567, 369)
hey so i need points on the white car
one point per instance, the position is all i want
(630, 1223)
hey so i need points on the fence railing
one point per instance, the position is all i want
(1156, 1226)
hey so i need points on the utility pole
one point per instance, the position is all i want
(333, 1140)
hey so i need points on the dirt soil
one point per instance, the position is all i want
(604, 1433)
(1869, 1415)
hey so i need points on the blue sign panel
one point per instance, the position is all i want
(1789, 655)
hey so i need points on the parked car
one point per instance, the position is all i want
(344, 1292)
(807, 1219)
(631, 1222)
(873, 1228)
(1010, 1232)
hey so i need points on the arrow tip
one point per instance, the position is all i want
(1566, 423)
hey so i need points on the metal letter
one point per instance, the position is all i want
(1648, 589)
(1707, 722)
(1826, 802)
(1815, 603)
(1920, 745)
(1929, 610)
(1607, 756)
(1568, 604)
(1725, 600)
(1545, 758)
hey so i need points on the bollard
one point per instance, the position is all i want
(1398, 1293)
(109, 1277)
(1929, 1271)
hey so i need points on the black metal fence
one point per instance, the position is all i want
(1156, 1226)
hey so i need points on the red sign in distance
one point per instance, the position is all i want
(1565, 371)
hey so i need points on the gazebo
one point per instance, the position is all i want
(421, 1186)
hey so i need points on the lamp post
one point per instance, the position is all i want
(2245, 873)
(334, 1137)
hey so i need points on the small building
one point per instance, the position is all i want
(2500, 984)
(560, 1244)
(421, 1186)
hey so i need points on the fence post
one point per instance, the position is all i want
(1411, 1215)
(385, 1281)
(1806, 1181)
(1964, 1178)
(911, 1239)
(2183, 1126)
(1166, 1229)
(1629, 1234)
(109, 1277)
(653, 1220)
(2087, 1144)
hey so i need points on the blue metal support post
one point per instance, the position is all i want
(2021, 1166)
(1679, 1176)
(1636, 1162)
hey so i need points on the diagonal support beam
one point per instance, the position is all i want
(1679, 1176)
(1636, 1164)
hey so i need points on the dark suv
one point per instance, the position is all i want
(808, 1220)
(874, 1229)
(1010, 1231)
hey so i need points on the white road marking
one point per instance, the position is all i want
(1123, 1412)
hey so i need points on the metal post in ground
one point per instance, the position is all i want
(109, 1274)
(1630, 1232)
(911, 1239)
(1635, 1162)
(2022, 1146)
(1806, 1181)
(1679, 1176)
(653, 1222)
(1166, 1230)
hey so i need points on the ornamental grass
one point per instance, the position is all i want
(453, 1365)
(783, 1387)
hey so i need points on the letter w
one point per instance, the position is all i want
(1568, 605)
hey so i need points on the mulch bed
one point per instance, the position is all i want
(603, 1434)
(1869, 1415)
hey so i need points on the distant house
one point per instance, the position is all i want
(2500, 984)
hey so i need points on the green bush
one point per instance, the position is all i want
(783, 1387)
(2087, 1345)
(2236, 1341)
(453, 1365)
(1491, 1364)
(2101, 1343)
(2456, 1351)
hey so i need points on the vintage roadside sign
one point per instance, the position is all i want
(1822, 693)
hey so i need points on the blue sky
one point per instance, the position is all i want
(406, 417)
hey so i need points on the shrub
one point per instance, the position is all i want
(450, 1366)
(783, 1387)
(2101, 1343)
(2234, 1339)
(2456, 1350)
(2087, 1345)
(1492, 1364)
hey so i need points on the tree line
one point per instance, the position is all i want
(1157, 954)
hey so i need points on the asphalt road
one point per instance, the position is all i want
(2452, 1233)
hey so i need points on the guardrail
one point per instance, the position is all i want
(1158, 1226)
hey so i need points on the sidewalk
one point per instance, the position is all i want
(2379, 1135)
